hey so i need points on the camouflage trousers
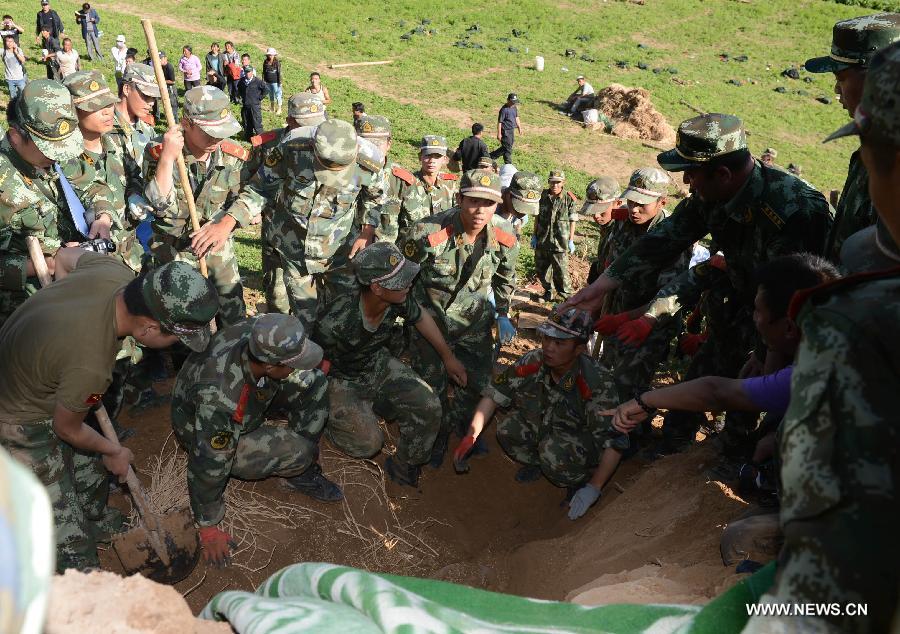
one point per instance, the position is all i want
(389, 389)
(223, 272)
(273, 274)
(76, 483)
(475, 350)
(308, 292)
(552, 269)
(566, 456)
(634, 367)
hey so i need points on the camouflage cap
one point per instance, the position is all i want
(210, 108)
(433, 144)
(183, 301)
(335, 151)
(89, 90)
(573, 323)
(481, 183)
(600, 194)
(382, 263)
(556, 176)
(373, 127)
(486, 162)
(646, 185)
(281, 340)
(44, 109)
(306, 108)
(854, 42)
(703, 138)
(141, 76)
(878, 113)
(525, 193)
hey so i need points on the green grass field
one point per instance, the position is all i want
(433, 86)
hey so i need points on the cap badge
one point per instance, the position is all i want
(64, 127)
(224, 113)
(394, 260)
(313, 108)
(485, 181)
(367, 127)
(410, 249)
(94, 86)
(530, 195)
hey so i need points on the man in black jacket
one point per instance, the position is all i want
(252, 90)
(50, 19)
(470, 150)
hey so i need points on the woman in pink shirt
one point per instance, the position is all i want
(189, 64)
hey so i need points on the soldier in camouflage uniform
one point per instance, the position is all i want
(839, 437)
(853, 44)
(50, 379)
(365, 381)
(465, 253)
(220, 402)
(415, 196)
(554, 237)
(601, 197)
(521, 199)
(752, 212)
(220, 180)
(43, 129)
(377, 130)
(305, 111)
(314, 227)
(556, 394)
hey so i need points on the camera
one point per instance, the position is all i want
(99, 245)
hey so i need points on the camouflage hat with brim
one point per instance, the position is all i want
(210, 109)
(382, 263)
(702, 139)
(335, 153)
(556, 176)
(878, 113)
(573, 323)
(306, 108)
(432, 144)
(481, 183)
(373, 126)
(646, 185)
(281, 340)
(141, 76)
(44, 109)
(525, 193)
(854, 42)
(183, 301)
(486, 162)
(600, 195)
(89, 90)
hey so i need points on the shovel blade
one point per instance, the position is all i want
(181, 541)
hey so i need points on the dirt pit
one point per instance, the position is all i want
(634, 114)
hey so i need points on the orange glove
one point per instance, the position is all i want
(608, 324)
(461, 452)
(635, 332)
(325, 366)
(689, 344)
(216, 546)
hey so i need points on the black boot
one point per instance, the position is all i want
(312, 483)
(402, 473)
(528, 473)
(438, 450)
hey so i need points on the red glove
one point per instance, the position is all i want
(689, 343)
(608, 324)
(216, 546)
(325, 366)
(636, 331)
(461, 452)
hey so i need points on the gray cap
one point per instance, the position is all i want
(210, 109)
(335, 150)
(306, 108)
(383, 264)
(281, 340)
(143, 78)
(646, 185)
(600, 194)
(525, 193)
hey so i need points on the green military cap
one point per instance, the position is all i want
(703, 138)
(573, 323)
(481, 183)
(335, 153)
(281, 340)
(525, 192)
(249, 69)
(44, 109)
(433, 144)
(854, 42)
(373, 127)
(556, 176)
(89, 89)
(141, 76)
(600, 194)
(183, 301)
(210, 108)
(646, 185)
(382, 263)
(878, 113)
(306, 108)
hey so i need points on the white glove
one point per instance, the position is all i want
(583, 499)
(138, 208)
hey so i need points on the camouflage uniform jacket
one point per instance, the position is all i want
(687, 289)
(214, 401)
(267, 165)
(221, 188)
(411, 199)
(572, 404)
(314, 224)
(131, 141)
(854, 209)
(552, 223)
(456, 277)
(774, 214)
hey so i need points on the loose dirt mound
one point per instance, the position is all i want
(634, 114)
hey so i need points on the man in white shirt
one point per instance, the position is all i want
(582, 98)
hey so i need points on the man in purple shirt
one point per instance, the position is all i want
(507, 126)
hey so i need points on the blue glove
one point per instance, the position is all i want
(507, 330)
(571, 246)
(533, 242)
(583, 499)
